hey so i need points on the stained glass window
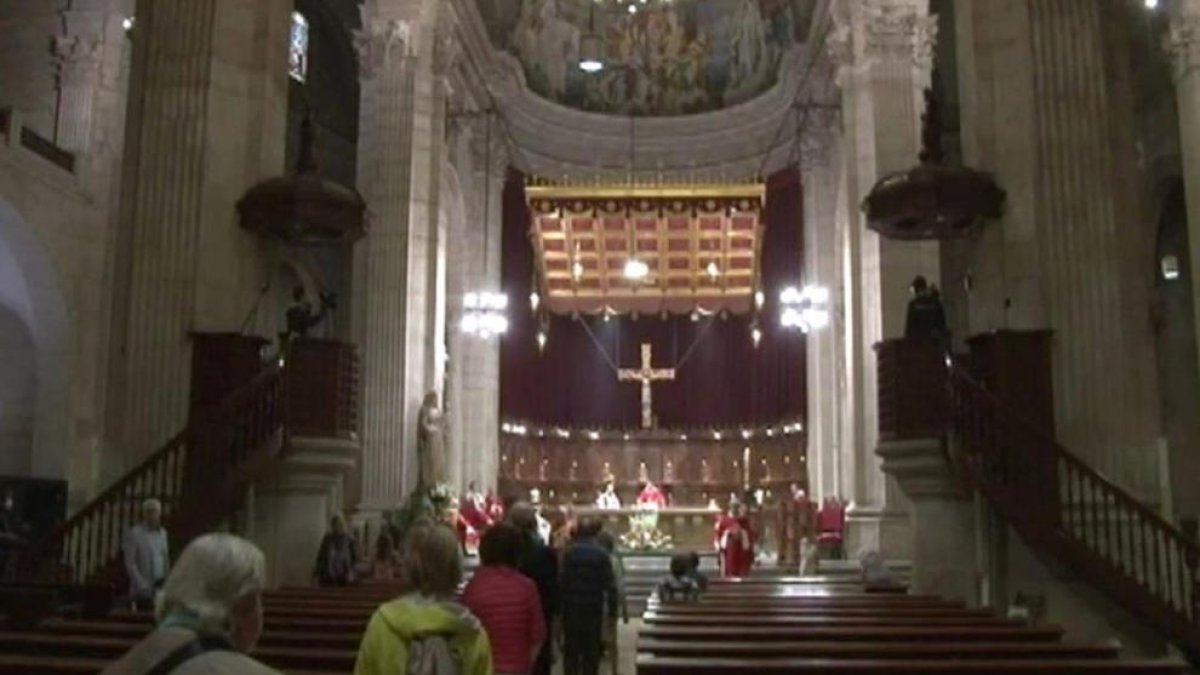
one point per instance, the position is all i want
(298, 48)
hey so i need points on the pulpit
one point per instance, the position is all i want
(322, 381)
(1016, 367)
(222, 363)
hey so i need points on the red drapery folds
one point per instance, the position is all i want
(721, 379)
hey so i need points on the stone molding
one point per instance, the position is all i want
(381, 44)
(1182, 42)
(498, 153)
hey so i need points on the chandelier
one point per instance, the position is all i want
(483, 314)
(804, 309)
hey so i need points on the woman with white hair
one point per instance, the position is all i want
(209, 614)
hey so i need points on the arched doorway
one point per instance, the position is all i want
(34, 323)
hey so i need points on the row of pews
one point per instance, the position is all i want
(305, 632)
(830, 625)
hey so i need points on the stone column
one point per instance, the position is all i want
(400, 154)
(1047, 107)
(883, 52)
(196, 142)
(481, 376)
(819, 172)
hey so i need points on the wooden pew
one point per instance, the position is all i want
(911, 633)
(877, 650)
(736, 621)
(656, 665)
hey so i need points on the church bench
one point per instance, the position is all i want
(911, 633)
(23, 664)
(804, 621)
(679, 609)
(877, 650)
(654, 665)
(271, 637)
(111, 648)
(303, 622)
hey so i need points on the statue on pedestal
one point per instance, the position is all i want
(431, 443)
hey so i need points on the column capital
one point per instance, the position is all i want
(77, 58)
(869, 33)
(497, 155)
(382, 44)
(1182, 41)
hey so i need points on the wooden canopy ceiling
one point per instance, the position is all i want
(700, 242)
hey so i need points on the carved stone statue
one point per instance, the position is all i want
(300, 315)
(431, 443)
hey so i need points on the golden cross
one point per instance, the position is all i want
(646, 375)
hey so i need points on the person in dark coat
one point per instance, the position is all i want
(589, 590)
(926, 318)
(540, 564)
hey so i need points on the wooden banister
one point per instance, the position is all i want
(198, 476)
(1059, 503)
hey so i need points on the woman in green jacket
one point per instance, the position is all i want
(425, 632)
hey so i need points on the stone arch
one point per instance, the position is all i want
(30, 288)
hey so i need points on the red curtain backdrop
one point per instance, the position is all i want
(724, 381)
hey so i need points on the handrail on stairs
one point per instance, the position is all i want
(199, 476)
(1054, 499)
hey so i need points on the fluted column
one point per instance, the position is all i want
(819, 171)
(196, 144)
(396, 269)
(1048, 109)
(883, 52)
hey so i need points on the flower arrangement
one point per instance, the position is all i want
(643, 534)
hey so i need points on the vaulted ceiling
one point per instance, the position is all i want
(671, 57)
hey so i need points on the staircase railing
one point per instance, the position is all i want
(1056, 501)
(199, 475)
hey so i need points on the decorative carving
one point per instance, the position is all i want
(381, 44)
(1182, 42)
(446, 48)
(899, 31)
(77, 58)
(868, 32)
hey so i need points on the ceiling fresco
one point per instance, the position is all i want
(673, 57)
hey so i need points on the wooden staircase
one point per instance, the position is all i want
(1062, 506)
(200, 475)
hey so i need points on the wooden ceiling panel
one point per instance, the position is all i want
(678, 232)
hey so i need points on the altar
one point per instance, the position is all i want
(689, 528)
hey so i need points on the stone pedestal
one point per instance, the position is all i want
(292, 508)
(943, 518)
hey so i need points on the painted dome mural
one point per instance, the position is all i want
(672, 57)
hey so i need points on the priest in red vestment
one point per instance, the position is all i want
(650, 494)
(734, 540)
(474, 509)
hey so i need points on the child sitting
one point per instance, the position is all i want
(679, 585)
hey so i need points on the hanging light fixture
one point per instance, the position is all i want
(484, 310)
(635, 268)
(805, 309)
(591, 47)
